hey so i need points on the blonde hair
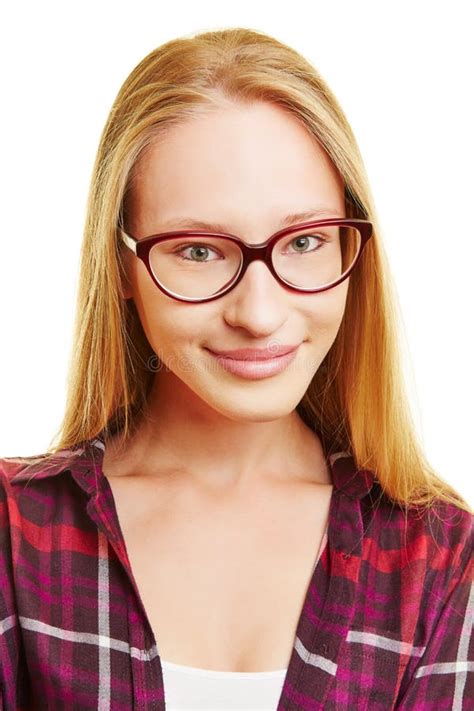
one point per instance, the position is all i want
(357, 400)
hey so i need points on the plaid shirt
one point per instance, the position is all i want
(386, 622)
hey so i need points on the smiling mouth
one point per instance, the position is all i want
(255, 368)
(256, 353)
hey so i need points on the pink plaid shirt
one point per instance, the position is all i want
(386, 622)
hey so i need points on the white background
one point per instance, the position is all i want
(402, 73)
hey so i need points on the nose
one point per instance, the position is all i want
(259, 303)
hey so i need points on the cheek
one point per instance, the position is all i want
(326, 309)
(169, 325)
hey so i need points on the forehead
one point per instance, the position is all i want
(232, 167)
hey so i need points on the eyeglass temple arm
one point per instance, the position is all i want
(129, 241)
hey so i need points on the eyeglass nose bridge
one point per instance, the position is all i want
(251, 253)
(256, 252)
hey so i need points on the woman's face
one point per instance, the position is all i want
(246, 168)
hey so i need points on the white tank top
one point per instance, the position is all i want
(192, 689)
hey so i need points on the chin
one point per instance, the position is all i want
(252, 409)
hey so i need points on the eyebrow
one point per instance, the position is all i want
(287, 221)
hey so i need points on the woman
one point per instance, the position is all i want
(237, 512)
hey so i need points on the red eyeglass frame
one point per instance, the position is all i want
(263, 251)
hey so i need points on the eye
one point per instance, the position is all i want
(198, 253)
(306, 243)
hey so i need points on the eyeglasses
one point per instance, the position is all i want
(198, 266)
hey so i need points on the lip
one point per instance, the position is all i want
(255, 369)
(256, 353)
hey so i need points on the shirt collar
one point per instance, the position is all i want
(84, 463)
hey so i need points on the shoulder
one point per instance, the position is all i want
(16, 470)
(9, 468)
(440, 534)
(20, 498)
(443, 534)
(450, 527)
(445, 540)
(13, 469)
(426, 552)
(49, 489)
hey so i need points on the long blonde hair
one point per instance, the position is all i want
(357, 400)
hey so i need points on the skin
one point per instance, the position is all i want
(244, 167)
